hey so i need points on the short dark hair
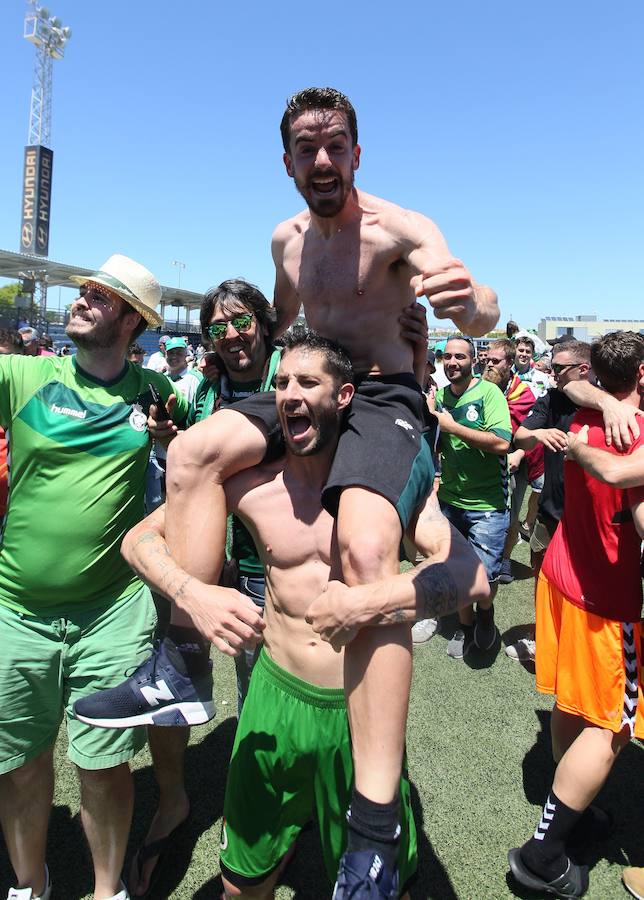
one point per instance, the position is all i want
(579, 349)
(524, 339)
(336, 358)
(135, 348)
(140, 328)
(317, 98)
(237, 292)
(466, 340)
(616, 358)
(12, 339)
(507, 346)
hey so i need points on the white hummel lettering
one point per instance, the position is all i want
(404, 424)
(68, 411)
(160, 692)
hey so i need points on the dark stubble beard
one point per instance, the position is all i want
(326, 209)
(328, 424)
(101, 338)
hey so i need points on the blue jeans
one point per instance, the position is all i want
(253, 587)
(154, 485)
(485, 531)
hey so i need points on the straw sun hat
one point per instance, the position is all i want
(132, 282)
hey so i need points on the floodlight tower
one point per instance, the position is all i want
(49, 36)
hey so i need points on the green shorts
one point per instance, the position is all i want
(292, 755)
(48, 663)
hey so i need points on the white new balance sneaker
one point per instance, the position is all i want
(423, 630)
(523, 650)
(122, 895)
(28, 894)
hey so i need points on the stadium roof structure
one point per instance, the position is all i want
(22, 265)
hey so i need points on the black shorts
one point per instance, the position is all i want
(385, 442)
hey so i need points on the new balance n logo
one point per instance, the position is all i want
(160, 691)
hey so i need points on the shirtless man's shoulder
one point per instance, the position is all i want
(405, 228)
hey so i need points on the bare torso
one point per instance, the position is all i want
(292, 534)
(355, 282)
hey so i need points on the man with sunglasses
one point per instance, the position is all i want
(547, 424)
(73, 617)
(237, 320)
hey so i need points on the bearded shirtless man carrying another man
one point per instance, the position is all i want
(292, 750)
(355, 263)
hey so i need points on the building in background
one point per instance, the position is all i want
(585, 328)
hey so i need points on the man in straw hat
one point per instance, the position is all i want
(72, 614)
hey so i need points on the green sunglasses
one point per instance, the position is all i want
(240, 323)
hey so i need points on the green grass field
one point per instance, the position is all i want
(479, 761)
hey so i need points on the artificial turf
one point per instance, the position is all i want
(479, 762)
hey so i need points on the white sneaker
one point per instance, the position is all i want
(122, 895)
(523, 650)
(28, 894)
(423, 630)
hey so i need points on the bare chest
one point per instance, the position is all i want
(355, 269)
(290, 530)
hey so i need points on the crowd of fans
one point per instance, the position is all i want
(331, 472)
(506, 420)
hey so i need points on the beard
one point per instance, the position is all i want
(101, 337)
(327, 422)
(325, 207)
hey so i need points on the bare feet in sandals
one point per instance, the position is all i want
(147, 862)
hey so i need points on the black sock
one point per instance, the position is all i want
(374, 826)
(193, 648)
(485, 615)
(545, 852)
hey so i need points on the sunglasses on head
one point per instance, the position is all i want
(558, 368)
(240, 323)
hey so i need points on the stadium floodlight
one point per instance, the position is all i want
(49, 36)
(180, 265)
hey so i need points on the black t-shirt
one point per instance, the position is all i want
(554, 410)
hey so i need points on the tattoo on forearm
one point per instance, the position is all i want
(437, 590)
(399, 615)
(146, 538)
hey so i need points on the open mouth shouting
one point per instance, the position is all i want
(299, 426)
(325, 185)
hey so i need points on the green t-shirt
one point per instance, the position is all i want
(79, 450)
(228, 392)
(471, 478)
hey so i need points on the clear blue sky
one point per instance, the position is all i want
(518, 127)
